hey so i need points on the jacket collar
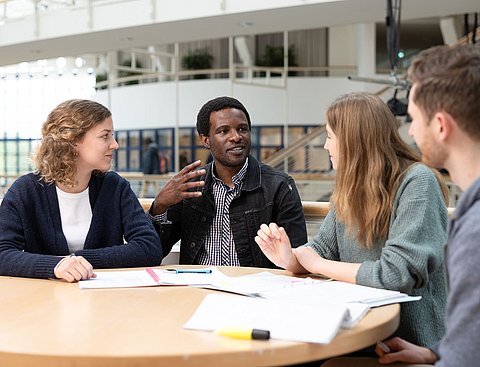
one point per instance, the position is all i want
(253, 177)
(467, 199)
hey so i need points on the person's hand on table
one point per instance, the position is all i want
(176, 189)
(73, 269)
(403, 351)
(309, 259)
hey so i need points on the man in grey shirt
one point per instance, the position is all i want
(444, 104)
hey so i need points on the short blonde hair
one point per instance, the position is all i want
(54, 159)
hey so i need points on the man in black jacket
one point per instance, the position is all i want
(216, 210)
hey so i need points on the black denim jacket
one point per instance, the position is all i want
(267, 195)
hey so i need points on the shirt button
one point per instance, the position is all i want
(193, 244)
(204, 219)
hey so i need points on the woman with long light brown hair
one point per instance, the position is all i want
(387, 224)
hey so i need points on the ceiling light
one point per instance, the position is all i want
(79, 62)
(23, 66)
(61, 62)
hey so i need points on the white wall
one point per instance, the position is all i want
(146, 106)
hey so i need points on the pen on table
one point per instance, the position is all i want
(384, 347)
(243, 333)
(195, 271)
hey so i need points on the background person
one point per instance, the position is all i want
(216, 210)
(151, 160)
(72, 205)
(387, 225)
(163, 164)
(445, 110)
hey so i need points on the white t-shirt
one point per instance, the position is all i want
(76, 216)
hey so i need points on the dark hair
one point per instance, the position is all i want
(448, 79)
(217, 104)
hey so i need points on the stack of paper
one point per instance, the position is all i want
(291, 308)
(356, 312)
(340, 292)
(255, 285)
(293, 321)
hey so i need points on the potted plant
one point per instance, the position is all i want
(273, 56)
(101, 77)
(198, 59)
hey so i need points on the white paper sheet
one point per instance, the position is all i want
(254, 285)
(288, 320)
(339, 292)
(141, 278)
(356, 312)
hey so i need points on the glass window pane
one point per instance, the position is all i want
(134, 160)
(121, 163)
(134, 139)
(295, 133)
(165, 138)
(185, 137)
(271, 136)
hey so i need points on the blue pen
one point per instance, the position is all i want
(196, 271)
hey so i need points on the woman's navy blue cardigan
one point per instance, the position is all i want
(31, 236)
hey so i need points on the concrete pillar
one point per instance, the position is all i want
(245, 46)
(341, 48)
(451, 29)
(366, 49)
(161, 63)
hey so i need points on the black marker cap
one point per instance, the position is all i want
(260, 334)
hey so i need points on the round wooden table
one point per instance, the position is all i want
(49, 323)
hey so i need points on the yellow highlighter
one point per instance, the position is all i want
(244, 333)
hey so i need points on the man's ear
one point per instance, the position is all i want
(445, 125)
(205, 141)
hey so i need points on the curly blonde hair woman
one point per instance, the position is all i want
(387, 224)
(71, 215)
(65, 126)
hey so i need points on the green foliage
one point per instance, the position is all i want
(197, 60)
(273, 56)
(101, 77)
(123, 73)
